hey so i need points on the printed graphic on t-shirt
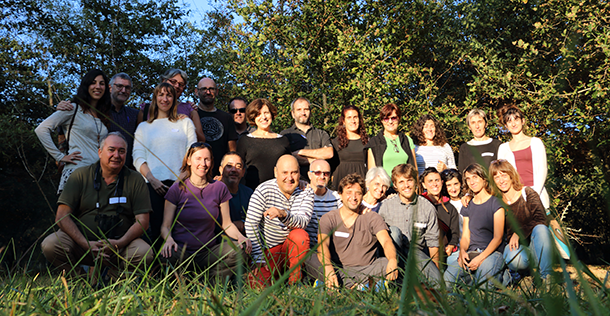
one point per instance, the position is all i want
(212, 128)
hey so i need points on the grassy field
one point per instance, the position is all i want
(580, 292)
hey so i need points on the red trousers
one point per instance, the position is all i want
(280, 259)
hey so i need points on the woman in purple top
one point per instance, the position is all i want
(193, 208)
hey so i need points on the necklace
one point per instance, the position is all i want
(395, 143)
(97, 130)
(200, 186)
(514, 198)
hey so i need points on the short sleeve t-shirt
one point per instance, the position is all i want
(219, 129)
(481, 223)
(239, 203)
(355, 246)
(194, 226)
(80, 195)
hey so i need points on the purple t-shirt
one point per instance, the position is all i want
(481, 223)
(194, 226)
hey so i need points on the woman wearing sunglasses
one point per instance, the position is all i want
(159, 147)
(390, 148)
(194, 207)
(432, 149)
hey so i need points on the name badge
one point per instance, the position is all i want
(118, 200)
(420, 225)
(175, 130)
(342, 234)
(487, 154)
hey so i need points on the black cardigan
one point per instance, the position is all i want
(378, 145)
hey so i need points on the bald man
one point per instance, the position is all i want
(217, 125)
(278, 213)
(324, 200)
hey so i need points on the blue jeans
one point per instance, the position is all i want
(422, 260)
(541, 244)
(489, 268)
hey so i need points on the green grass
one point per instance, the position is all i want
(172, 293)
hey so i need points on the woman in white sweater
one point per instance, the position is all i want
(527, 154)
(160, 145)
(431, 147)
(83, 127)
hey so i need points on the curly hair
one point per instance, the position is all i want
(254, 109)
(418, 131)
(352, 179)
(342, 132)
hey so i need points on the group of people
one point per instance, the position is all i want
(190, 183)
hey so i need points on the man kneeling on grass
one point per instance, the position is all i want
(349, 241)
(110, 203)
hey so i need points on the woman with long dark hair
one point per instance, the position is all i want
(481, 245)
(432, 149)
(159, 148)
(528, 211)
(349, 145)
(84, 126)
(193, 208)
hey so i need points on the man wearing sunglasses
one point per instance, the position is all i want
(324, 199)
(217, 125)
(237, 108)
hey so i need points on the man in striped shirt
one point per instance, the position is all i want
(278, 213)
(324, 200)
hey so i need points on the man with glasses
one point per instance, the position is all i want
(307, 143)
(124, 118)
(324, 199)
(217, 125)
(232, 170)
(237, 108)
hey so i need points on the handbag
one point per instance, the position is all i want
(64, 146)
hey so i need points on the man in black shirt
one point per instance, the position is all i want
(307, 143)
(217, 125)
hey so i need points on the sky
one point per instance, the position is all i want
(198, 8)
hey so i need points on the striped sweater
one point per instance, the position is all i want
(266, 233)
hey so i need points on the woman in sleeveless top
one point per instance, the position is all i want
(349, 145)
(527, 154)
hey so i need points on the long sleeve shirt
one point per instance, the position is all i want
(267, 233)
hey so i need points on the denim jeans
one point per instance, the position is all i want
(489, 268)
(423, 261)
(541, 244)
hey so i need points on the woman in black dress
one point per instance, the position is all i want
(349, 145)
(262, 148)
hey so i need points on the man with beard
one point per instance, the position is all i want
(217, 125)
(348, 254)
(123, 119)
(276, 219)
(102, 212)
(232, 169)
(307, 143)
(411, 216)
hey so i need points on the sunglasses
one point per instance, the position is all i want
(390, 119)
(233, 111)
(200, 144)
(319, 173)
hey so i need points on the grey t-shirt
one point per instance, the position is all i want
(354, 246)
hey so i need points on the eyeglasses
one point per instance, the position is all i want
(121, 87)
(319, 173)
(233, 111)
(390, 119)
(175, 82)
(204, 89)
